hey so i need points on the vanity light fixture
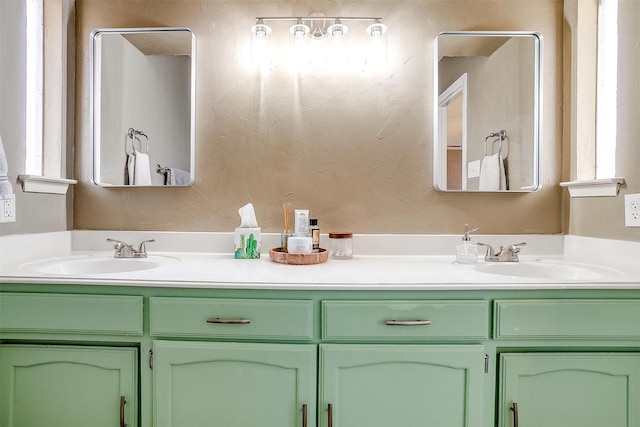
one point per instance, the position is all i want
(315, 26)
(307, 31)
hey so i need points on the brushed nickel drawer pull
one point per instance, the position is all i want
(220, 321)
(514, 408)
(304, 415)
(123, 401)
(408, 322)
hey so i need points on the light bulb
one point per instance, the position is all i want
(376, 54)
(260, 45)
(299, 30)
(377, 29)
(260, 30)
(337, 30)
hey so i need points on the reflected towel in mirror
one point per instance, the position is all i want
(492, 174)
(5, 184)
(138, 169)
(177, 176)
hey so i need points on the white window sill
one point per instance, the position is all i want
(43, 184)
(594, 188)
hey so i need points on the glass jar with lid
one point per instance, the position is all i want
(341, 245)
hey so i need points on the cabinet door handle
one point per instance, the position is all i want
(514, 408)
(229, 321)
(304, 415)
(330, 415)
(408, 322)
(123, 401)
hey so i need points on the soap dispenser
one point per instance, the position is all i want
(467, 251)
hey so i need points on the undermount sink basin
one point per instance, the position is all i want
(97, 264)
(544, 269)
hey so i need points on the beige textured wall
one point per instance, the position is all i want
(354, 149)
(604, 217)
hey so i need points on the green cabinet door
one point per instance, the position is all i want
(570, 390)
(199, 384)
(67, 386)
(401, 385)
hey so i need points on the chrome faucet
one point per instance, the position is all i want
(505, 254)
(125, 250)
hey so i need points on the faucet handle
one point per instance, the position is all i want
(118, 245)
(142, 250)
(123, 250)
(490, 251)
(515, 247)
(510, 253)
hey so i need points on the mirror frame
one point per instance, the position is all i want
(438, 151)
(95, 109)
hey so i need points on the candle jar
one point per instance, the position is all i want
(341, 245)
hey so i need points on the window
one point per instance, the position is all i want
(34, 83)
(607, 86)
(44, 151)
(594, 70)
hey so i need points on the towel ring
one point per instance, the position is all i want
(500, 136)
(132, 133)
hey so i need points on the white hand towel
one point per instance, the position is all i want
(142, 171)
(5, 184)
(503, 173)
(178, 177)
(492, 175)
(131, 169)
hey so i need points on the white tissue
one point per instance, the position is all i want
(247, 216)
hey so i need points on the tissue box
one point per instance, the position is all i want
(248, 242)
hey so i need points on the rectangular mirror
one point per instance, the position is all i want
(143, 106)
(487, 121)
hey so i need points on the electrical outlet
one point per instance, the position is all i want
(8, 208)
(632, 210)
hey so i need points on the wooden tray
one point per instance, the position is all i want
(281, 257)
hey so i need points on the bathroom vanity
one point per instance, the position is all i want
(476, 349)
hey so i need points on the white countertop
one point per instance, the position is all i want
(406, 263)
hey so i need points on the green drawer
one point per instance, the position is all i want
(405, 320)
(77, 314)
(567, 318)
(231, 318)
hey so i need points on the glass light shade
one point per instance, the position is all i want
(299, 31)
(299, 45)
(337, 30)
(377, 46)
(338, 52)
(260, 30)
(260, 45)
(377, 29)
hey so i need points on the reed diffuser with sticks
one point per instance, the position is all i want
(284, 238)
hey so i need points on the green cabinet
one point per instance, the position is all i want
(570, 390)
(234, 384)
(401, 385)
(67, 386)
(71, 355)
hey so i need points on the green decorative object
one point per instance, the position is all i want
(249, 248)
